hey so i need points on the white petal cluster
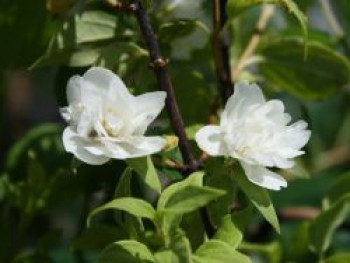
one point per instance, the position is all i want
(106, 121)
(256, 132)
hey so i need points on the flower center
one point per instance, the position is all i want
(112, 122)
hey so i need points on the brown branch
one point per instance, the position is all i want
(221, 50)
(159, 66)
(265, 16)
(298, 213)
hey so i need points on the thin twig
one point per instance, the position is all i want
(159, 65)
(298, 213)
(221, 50)
(331, 19)
(265, 16)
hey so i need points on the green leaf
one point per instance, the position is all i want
(320, 75)
(194, 232)
(171, 30)
(27, 27)
(93, 26)
(339, 190)
(188, 195)
(341, 257)
(215, 251)
(259, 197)
(97, 237)
(235, 7)
(229, 232)
(178, 251)
(324, 226)
(300, 241)
(218, 177)
(127, 251)
(272, 251)
(294, 9)
(145, 169)
(124, 184)
(133, 206)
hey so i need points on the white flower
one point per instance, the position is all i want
(106, 121)
(256, 132)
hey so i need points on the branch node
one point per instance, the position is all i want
(160, 62)
(120, 6)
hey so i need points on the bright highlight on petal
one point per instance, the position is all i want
(106, 121)
(256, 132)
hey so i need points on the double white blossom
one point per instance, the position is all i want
(106, 121)
(256, 132)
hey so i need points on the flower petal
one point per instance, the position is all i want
(244, 96)
(73, 143)
(146, 108)
(74, 86)
(263, 177)
(210, 140)
(133, 146)
(65, 113)
(104, 78)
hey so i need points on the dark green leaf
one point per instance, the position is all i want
(320, 75)
(324, 226)
(97, 237)
(259, 197)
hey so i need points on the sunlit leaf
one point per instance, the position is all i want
(134, 206)
(128, 251)
(145, 169)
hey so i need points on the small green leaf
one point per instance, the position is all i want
(178, 251)
(145, 169)
(324, 226)
(127, 251)
(195, 179)
(136, 207)
(124, 184)
(215, 251)
(259, 197)
(229, 232)
(341, 257)
(320, 75)
(187, 196)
